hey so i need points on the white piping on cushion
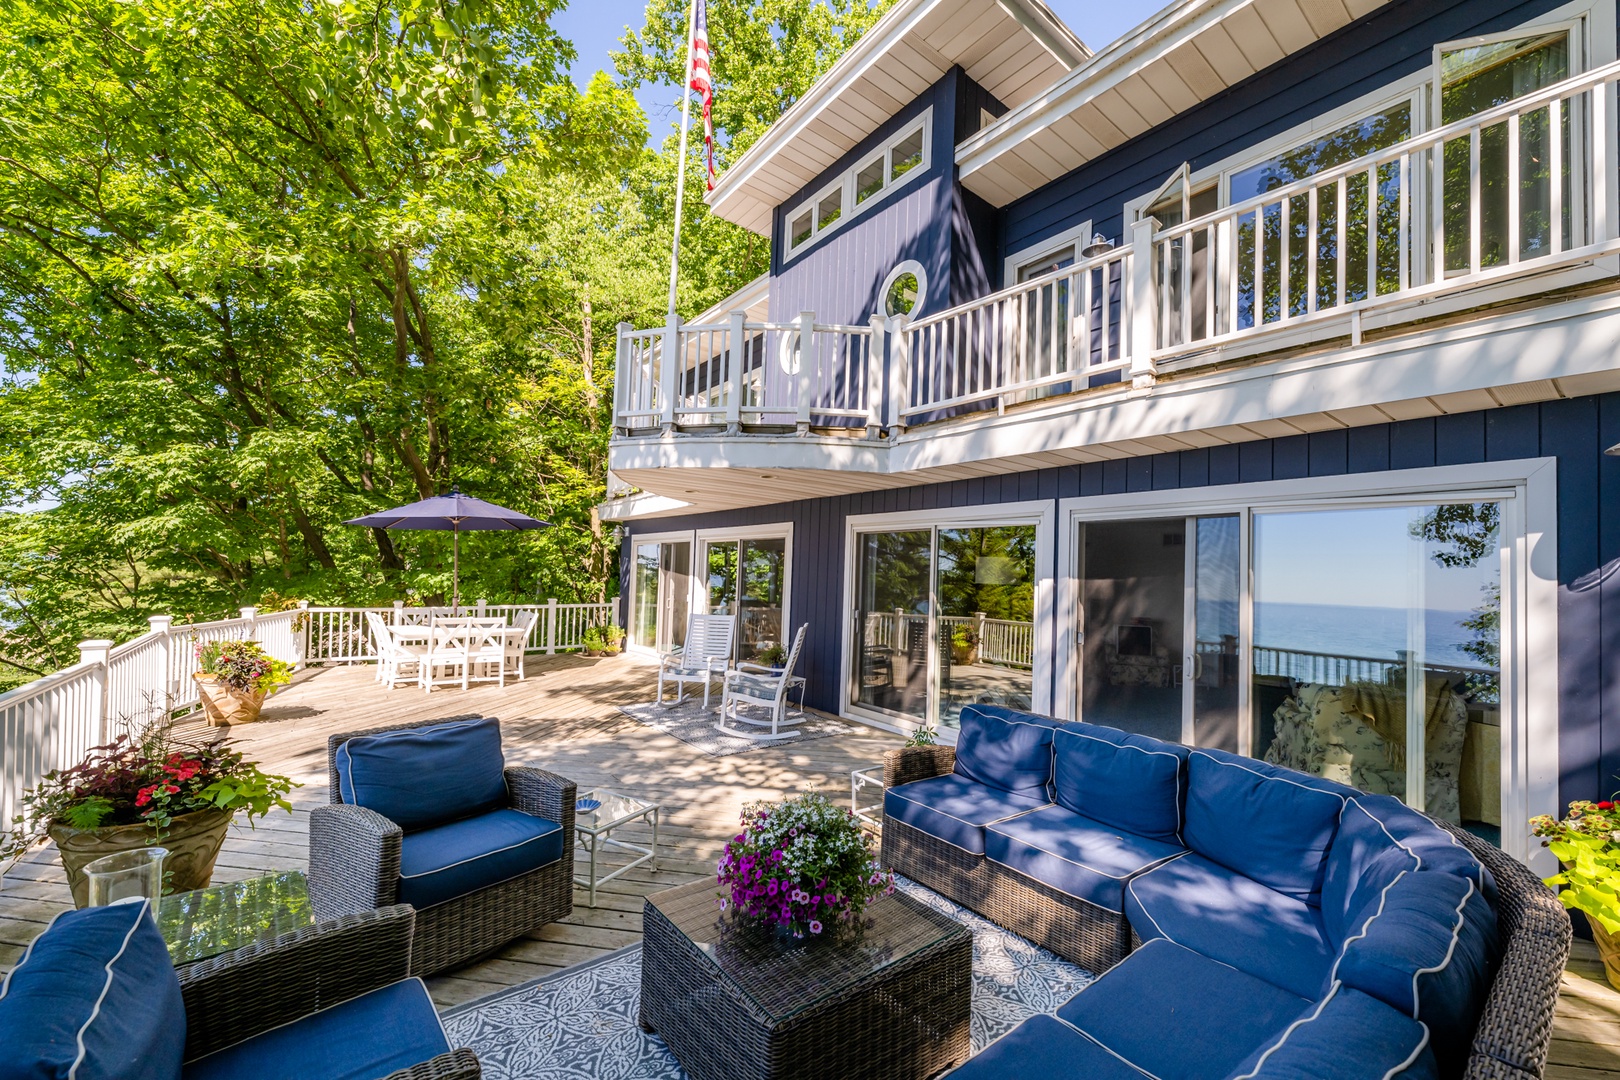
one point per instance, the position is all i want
(1130, 887)
(1451, 949)
(1181, 763)
(1303, 1020)
(337, 1005)
(1383, 898)
(1074, 862)
(73, 1070)
(5, 984)
(1104, 1047)
(484, 855)
(1279, 779)
(1410, 1058)
(895, 791)
(349, 770)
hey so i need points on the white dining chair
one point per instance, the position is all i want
(446, 659)
(395, 661)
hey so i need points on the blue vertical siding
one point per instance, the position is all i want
(1575, 432)
(1373, 52)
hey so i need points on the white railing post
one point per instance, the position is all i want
(1143, 305)
(874, 376)
(399, 613)
(669, 372)
(250, 616)
(301, 639)
(482, 605)
(978, 635)
(160, 628)
(622, 375)
(804, 379)
(736, 365)
(899, 371)
(551, 626)
(1604, 203)
(94, 651)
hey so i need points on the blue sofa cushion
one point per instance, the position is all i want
(1270, 824)
(954, 809)
(1044, 1047)
(94, 997)
(425, 776)
(1075, 855)
(453, 860)
(1005, 749)
(1427, 947)
(1227, 917)
(1379, 838)
(363, 1038)
(1346, 1036)
(1130, 782)
(1175, 1013)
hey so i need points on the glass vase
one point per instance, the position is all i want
(127, 877)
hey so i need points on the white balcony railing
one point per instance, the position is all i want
(1510, 193)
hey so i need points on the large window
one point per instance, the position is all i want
(747, 578)
(868, 182)
(660, 591)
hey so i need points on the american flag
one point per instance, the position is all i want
(703, 80)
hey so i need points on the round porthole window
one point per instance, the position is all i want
(787, 352)
(906, 290)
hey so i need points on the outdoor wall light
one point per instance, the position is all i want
(1099, 245)
(1613, 451)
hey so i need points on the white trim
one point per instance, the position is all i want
(1070, 240)
(313, 1012)
(1527, 490)
(1040, 513)
(922, 123)
(635, 540)
(909, 266)
(1303, 1020)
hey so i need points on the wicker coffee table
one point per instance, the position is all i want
(735, 1002)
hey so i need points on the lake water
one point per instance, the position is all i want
(1375, 632)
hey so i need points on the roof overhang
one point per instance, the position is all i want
(753, 299)
(1184, 55)
(1012, 48)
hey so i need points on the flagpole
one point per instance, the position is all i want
(680, 173)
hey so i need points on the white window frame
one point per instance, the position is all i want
(922, 123)
(1527, 490)
(636, 540)
(1069, 240)
(911, 266)
(776, 530)
(1572, 19)
(1041, 513)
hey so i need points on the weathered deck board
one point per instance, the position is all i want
(563, 718)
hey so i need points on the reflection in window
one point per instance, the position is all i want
(660, 594)
(903, 294)
(747, 580)
(801, 229)
(906, 154)
(830, 208)
(891, 648)
(869, 179)
(986, 590)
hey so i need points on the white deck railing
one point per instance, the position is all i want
(1505, 195)
(1008, 642)
(114, 689)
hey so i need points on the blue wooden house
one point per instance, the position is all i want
(1247, 382)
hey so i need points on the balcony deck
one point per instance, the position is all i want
(563, 717)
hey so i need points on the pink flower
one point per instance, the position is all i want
(815, 927)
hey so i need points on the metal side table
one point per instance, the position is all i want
(594, 827)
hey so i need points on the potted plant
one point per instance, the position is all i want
(1587, 844)
(964, 645)
(612, 639)
(148, 789)
(593, 641)
(801, 867)
(773, 656)
(234, 677)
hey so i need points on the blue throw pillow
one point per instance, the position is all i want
(1007, 750)
(1269, 824)
(1428, 947)
(1130, 782)
(94, 997)
(421, 777)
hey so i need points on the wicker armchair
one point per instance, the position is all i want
(242, 994)
(354, 866)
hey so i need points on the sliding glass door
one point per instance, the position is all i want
(660, 593)
(890, 669)
(747, 578)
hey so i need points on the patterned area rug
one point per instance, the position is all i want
(691, 723)
(581, 1023)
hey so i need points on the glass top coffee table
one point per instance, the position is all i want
(207, 922)
(732, 999)
(594, 826)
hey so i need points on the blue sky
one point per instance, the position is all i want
(595, 26)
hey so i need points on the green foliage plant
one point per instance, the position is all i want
(243, 666)
(1587, 843)
(772, 655)
(925, 736)
(593, 639)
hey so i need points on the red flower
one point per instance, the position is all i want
(171, 789)
(1605, 805)
(144, 796)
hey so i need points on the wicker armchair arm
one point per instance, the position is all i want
(456, 1065)
(544, 794)
(904, 764)
(353, 860)
(245, 993)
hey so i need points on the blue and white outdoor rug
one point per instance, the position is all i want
(581, 1023)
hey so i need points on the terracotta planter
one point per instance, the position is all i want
(1609, 949)
(193, 841)
(226, 705)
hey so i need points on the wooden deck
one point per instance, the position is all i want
(563, 718)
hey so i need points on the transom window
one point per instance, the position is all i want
(868, 182)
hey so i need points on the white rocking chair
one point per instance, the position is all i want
(765, 688)
(704, 658)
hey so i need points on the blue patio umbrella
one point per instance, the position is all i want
(457, 513)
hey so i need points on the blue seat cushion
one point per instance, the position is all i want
(1173, 1012)
(1346, 1036)
(1270, 824)
(1379, 837)
(954, 809)
(1075, 855)
(421, 777)
(1130, 782)
(94, 997)
(453, 860)
(1227, 917)
(1044, 1047)
(1428, 948)
(1005, 749)
(363, 1038)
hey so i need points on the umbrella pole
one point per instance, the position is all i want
(455, 564)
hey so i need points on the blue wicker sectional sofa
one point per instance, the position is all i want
(1245, 920)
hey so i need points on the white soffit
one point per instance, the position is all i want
(1184, 55)
(1012, 48)
(753, 298)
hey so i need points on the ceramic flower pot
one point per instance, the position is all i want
(1609, 949)
(225, 705)
(193, 841)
